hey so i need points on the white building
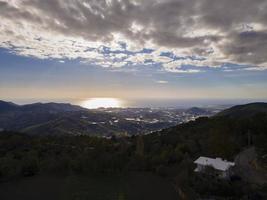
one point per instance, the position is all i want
(222, 168)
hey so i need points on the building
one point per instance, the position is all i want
(217, 166)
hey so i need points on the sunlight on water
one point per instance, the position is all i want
(94, 103)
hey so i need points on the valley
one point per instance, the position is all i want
(60, 119)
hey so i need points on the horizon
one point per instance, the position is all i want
(141, 103)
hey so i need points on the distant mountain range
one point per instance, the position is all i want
(39, 107)
(60, 118)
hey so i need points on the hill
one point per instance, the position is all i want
(169, 153)
(39, 107)
(7, 106)
(51, 107)
(60, 119)
(245, 111)
(198, 111)
(16, 117)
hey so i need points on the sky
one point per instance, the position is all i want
(133, 49)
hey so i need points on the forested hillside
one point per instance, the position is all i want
(169, 153)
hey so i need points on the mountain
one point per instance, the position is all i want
(96, 123)
(197, 111)
(51, 107)
(223, 135)
(39, 107)
(245, 111)
(60, 119)
(170, 152)
(16, 117)
(237, 134)
(7, 106)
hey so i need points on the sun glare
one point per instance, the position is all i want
(94, 103)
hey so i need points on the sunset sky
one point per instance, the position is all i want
(147, 49)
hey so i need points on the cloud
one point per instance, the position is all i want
(115, 33)
(187, 71)
(162, 82)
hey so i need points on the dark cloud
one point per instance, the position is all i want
(194, 24)
(247, 47)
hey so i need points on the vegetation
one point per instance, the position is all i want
(169, 153)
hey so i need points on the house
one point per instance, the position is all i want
(214, 166)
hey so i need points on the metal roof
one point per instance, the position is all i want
(216, 163)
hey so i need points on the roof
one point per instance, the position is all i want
(216, 163)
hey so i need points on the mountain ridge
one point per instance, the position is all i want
(245, 110)
(59, 107)
(6, 106)
(58, 118)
